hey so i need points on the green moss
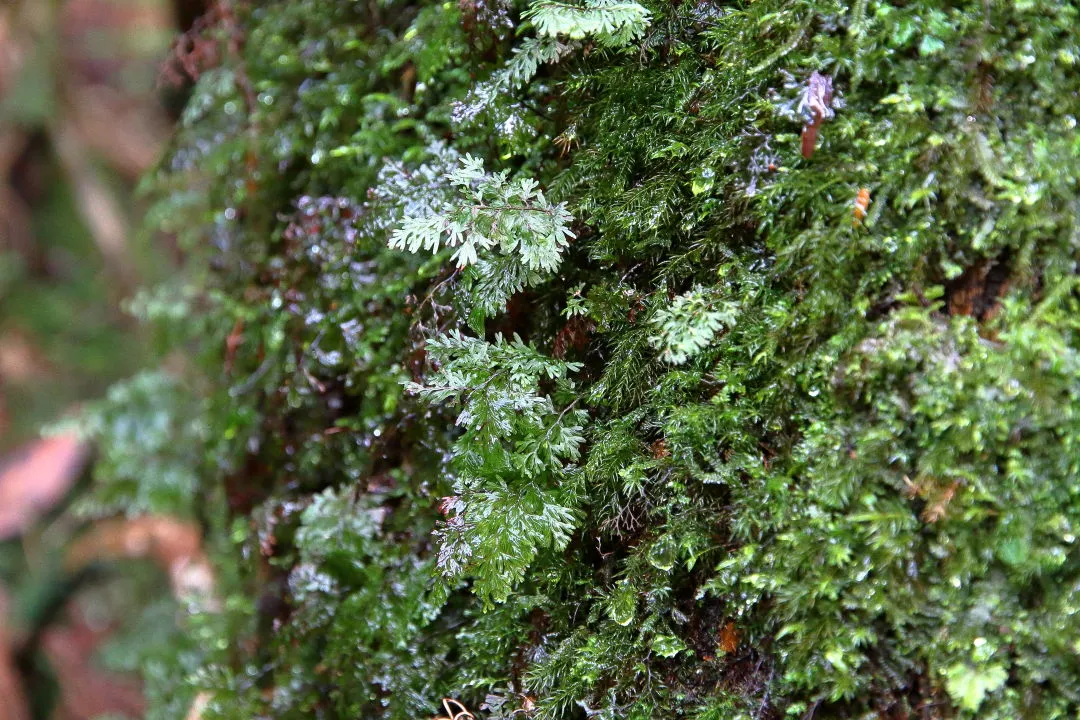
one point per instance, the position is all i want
(747, 454)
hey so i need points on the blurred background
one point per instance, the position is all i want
(85, 111)
(82, 115)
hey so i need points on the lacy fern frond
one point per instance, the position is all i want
(612, 23)
(495, 384)
(689, 324)
(527, 59)
(515, 445)
(494, 212)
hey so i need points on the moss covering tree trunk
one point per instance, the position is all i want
(624, 360)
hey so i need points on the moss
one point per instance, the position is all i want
(741, 448)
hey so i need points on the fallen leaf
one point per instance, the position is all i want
(36, 478)
(729, 637)
(176, 546)
(20, 361)
(85, 691)
(198, 706)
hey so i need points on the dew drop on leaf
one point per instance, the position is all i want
(622, 604)
(662, 553)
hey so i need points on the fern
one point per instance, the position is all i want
(490, 283)
(613, 23)
(609, 23)
(830, 474)
(514, 445)
(508, 236)
(527, 59)
(494, 213)
(689, 324)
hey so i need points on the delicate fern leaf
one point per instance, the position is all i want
(493, 212)
(527, 59)
(508, 227)
(477, 543)
(611, 22)
(514, 443)
(689, 324)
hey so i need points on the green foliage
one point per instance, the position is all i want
(149, 437)
(507, 462)
(747, 454)
(689, 326)
(512, 216)
(612, 22)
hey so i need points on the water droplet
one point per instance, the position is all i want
(622, 604)
(662, 553)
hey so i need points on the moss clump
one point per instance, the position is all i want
(645, 414)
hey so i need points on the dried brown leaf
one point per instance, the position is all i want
(36, 478)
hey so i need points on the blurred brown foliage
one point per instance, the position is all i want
(68, 636)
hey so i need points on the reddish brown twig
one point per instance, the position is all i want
(816, 103)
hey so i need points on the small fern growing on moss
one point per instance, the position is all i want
(514, 447)
(612, 23)
(825, 470)
(689, 324)
(494, 213)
